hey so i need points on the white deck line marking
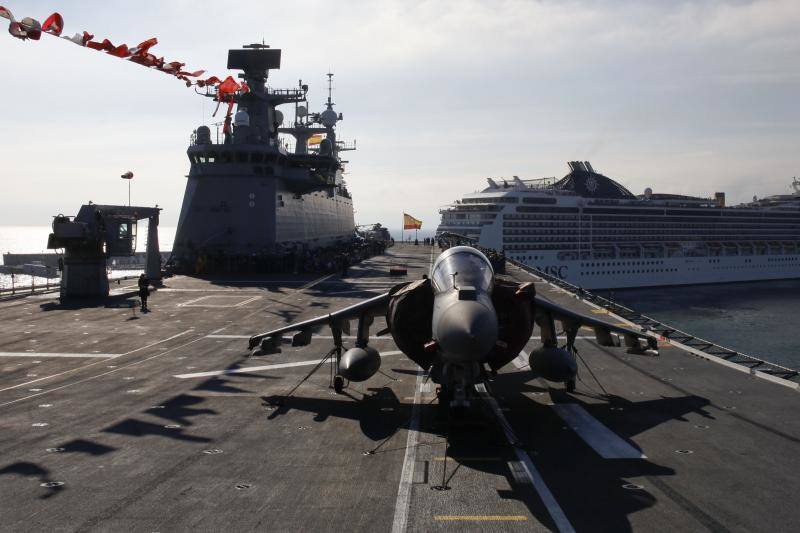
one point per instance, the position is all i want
(253, 299)
(403, 501)
(315, 282)
(134, 363)
(602, 440)
(371, 337)
(96, 362)
(556, 513)
(351, 292)
(357, 281)
(521, 361)
(261, 281)
(271, 303)
(194, 303)
(249, 369)
(43, 354)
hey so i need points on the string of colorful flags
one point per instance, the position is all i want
(30, 28)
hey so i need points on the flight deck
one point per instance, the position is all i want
(117, 420)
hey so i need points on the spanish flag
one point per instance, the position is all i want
(410, 222)
(315, 139)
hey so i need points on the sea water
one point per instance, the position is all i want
(760, 318)
(33, 240)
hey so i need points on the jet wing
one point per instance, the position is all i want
(338, 321)
(546, 312)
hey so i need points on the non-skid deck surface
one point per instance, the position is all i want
(112, 420)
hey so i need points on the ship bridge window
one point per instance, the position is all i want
(226, 157)
(256, 157)
(241, 157)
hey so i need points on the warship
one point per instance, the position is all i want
(252, 191)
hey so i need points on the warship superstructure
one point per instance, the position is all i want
(591, 231)
(249, 191)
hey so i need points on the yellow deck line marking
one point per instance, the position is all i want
(480, 518)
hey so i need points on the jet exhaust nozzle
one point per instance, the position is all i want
(360, 364)
(553, 364)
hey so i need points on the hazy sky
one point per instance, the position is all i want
(684, 97)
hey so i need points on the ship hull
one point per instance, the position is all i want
(246, 215)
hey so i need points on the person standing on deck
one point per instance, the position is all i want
(144, 291)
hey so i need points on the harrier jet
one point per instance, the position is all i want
(459, 325)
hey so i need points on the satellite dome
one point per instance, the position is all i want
(648, 192)
(278, 117)
(328, 118)
(241, 118)
(302, 111)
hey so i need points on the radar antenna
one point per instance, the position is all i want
(330, 88)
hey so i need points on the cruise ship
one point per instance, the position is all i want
(590, 231)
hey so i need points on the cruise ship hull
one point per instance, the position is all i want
(621, 274)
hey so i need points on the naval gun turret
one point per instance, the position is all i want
(249, 193)
(95, 234)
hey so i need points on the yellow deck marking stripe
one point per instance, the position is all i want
(480, 518)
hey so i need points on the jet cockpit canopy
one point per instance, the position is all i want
(462, 266)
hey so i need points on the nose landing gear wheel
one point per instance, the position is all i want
(570, 385)
(338, 384)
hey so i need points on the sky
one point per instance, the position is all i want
(683, 97)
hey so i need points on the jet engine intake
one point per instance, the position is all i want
(360, 364)
(553, 364)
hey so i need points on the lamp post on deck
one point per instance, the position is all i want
(128, 176)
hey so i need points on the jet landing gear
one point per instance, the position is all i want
(338, 383)
(570, 384)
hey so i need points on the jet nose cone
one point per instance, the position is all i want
(467, 331)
